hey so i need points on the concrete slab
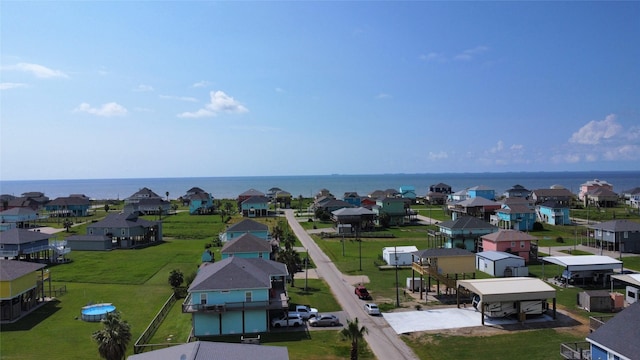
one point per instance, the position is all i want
(449, 318)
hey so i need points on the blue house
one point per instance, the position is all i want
(247, 245)
(481, 191)
(245, 226)
(19, 217)
(517, 216)
(553, 213)
(24, 244)
(465, 232)
(408, 192)
(396, 210)
(255, 206)
(236, 296)
(618, 337)
(75, 205)
(200, 202)
(352, 198)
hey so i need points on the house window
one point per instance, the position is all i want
(90, 231)
(203, 299)
(122, 232)
(260, 255)
(626, 235)
(521, 244)
(513, 244)
(247, 296)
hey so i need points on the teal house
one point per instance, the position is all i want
(396, 210)
(553, 213)
(236, 296)
(481, 191)
(247, 245)
(408, 192)
(465, 232)
(200, 202)
(516, 216)
(75, 205)
(255, 206)
(245, 226)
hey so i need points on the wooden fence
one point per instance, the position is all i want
(142, 343)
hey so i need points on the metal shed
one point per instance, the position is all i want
(501, 264)
(513, 290)
(585, 268)
(632, 292)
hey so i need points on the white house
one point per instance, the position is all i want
(398, 255)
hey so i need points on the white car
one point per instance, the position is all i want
(287, 320)
(371, 309)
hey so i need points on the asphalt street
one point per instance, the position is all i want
(381, 337)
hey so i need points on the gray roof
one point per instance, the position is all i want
(21, 236)
(122, 220)
(69, 200)
(258, 199)
(621, 333)
(97, 238)
(497, 255)
(516, 209)
(251, 192)
(24, 211)
(235, 273)
(352, 212)
(466, 223)
(442, 252)
(247, 225)
(477, 201)
(617, 226)
(246, 243)
(207, 350)
(13, 269)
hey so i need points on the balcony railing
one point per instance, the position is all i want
(279, 302)
(596, 321)
(575, 351)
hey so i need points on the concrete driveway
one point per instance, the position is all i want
(450, 318)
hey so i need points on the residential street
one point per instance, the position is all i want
(382, 339)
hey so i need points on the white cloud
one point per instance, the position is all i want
(8, 85)
(596, 131)
(279, 90)
(143, 88)
(383, 96)
(181, 98)
(438, 156)
(498, 148)
(469, 54)
(433, 56)
(200, 84)
(220, 102)
(37, 70)
(197, 114)
(106, 110)
(517, 147)
(623, 152)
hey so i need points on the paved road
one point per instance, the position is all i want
(382, 339)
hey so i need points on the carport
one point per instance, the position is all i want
(585, 267)
(502, 290)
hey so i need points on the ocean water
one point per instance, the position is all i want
(307, 186)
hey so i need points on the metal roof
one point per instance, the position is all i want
(201, 350)
(497, 255)
(582, 260)
(633, 279)
(509, 289)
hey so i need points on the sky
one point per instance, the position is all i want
(125, 89)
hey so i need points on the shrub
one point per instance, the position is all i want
(537, 226)
(559, 239)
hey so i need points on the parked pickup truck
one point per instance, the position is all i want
(290, 319)
(304, 311)
(362, 292)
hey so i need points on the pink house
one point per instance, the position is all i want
(508, 240)
(593, 185)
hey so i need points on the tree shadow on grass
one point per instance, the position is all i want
(301, 291)
(34, 318)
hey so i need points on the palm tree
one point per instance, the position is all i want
(291, 259)
(355, 333)
(114, 338)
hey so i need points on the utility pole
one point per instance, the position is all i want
(306, 270)
(395, 254)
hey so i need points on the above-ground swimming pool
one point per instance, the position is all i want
(97, 312)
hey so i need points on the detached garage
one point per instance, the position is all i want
(509, 296)
(501, 264)
(398, 255)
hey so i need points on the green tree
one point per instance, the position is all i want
(113, 338)
(291, 259)
(106, 208)
(176, 278)
(67, 224)
(355, 333)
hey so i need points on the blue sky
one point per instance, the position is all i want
(171, 89)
